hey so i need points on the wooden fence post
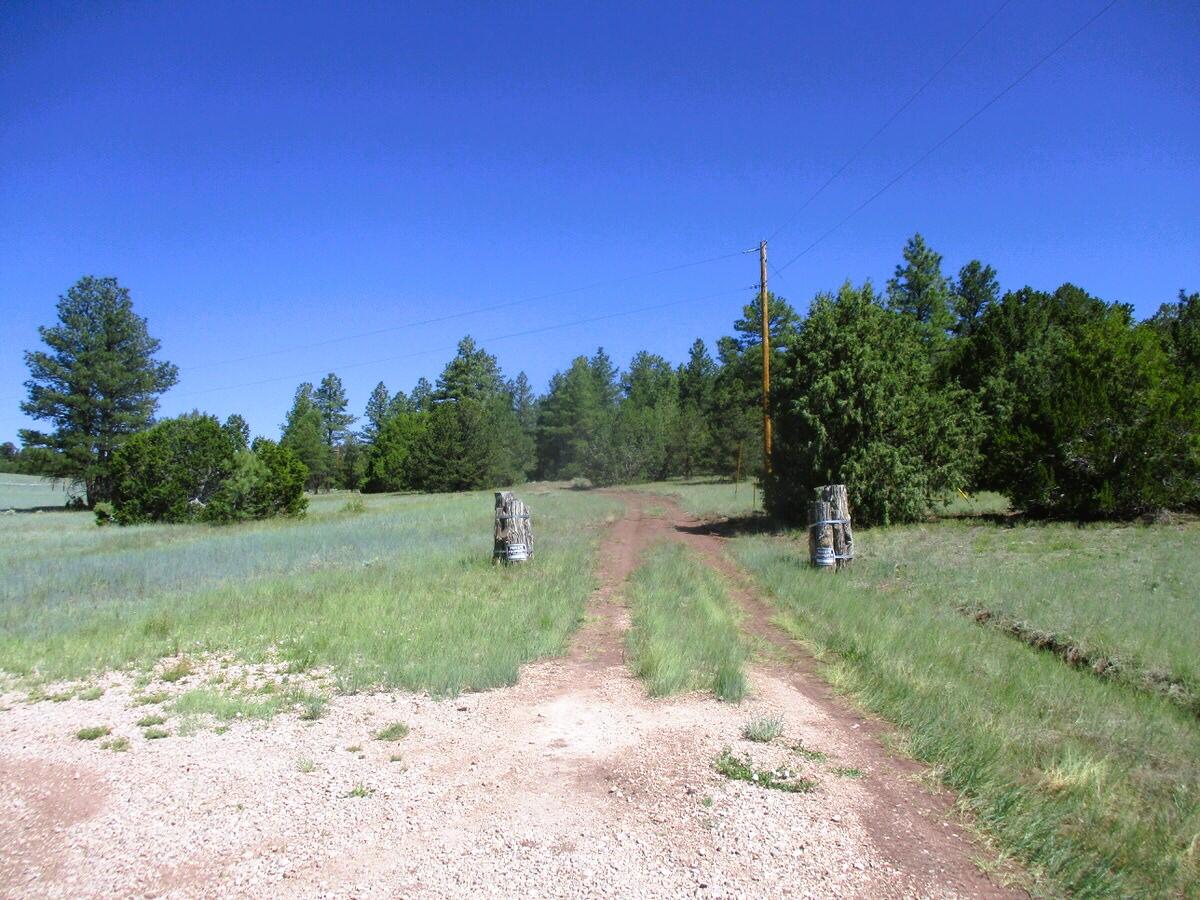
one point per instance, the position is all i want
(820, 536)
(838, 516)
(514, 532)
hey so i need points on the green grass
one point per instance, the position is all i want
(685, 634)
(360, 790)
(393, 732)
(1093, 783)
(707, 497)
(226, 706)
(92, 732)
(403, 594)
(736, 768)
(155, 734)
(147, 721)
(116, 745)
(763, 729)
(26, 492)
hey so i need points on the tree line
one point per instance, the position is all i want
(936, 384)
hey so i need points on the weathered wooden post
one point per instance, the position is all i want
(839, 513)
(830, 537)
(514, 532)
(820, 537)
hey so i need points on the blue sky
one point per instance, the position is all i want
(269, 178)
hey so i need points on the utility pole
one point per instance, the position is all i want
(766, 352)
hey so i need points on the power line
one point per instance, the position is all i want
(963, 124)
(464, 314)
(892, 118)
(449, 348)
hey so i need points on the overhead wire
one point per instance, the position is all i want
(508, 304)
(958, 128)
(890, 119)
(492, 339)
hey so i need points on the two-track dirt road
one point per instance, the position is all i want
(570, 783)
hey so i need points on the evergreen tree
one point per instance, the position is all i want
(524, 404)
(1087, 414)
(975, 290)
(919, 289)
(330, 400)
(473, 374)
(1179, 326)
(606, 375)
(692, 443)
(858, 403)
(422, 395)
(378, 409)
(305, 435)
(239, 431)
(390, 466)
(572, 413)
(98, 383)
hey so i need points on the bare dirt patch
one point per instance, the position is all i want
(571, 783)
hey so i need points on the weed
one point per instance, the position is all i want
(147, 721)
(707, 801)
(117, 744)
(354, 748)
(151, 699)
(155, 734)
(395, 757)
(811, 755)
(393, 732)
(92, 693)
(354, 506)
(846, 772)
(782, 779)
(360, 790)
(93, 732)
(763, 729)
(60, 697)
(305, 765)
(312, 708)
(181, 669)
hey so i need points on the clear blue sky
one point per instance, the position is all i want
(267, 177)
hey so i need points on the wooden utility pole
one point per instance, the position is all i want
(766, 352)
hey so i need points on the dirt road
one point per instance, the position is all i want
(571, 783)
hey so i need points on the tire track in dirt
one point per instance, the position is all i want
(916, 827)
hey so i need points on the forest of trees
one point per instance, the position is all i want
(1062, 401)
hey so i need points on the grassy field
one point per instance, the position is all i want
(685, 634)
(709, 498)
(403, 593)
(1092, 781)
(25, 492)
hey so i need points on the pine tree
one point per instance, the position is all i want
(98, 384)
(330, 400)
(919, 289)
(422, 395)
(378, 408)
(304, 434)
(975, 290)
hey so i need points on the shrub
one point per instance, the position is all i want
(193, 469)
(1088, 414)
(169, 472)
(858, 402)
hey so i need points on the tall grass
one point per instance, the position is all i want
(401, 594)
(1092, 782)
(708, 497)
(685, 634)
